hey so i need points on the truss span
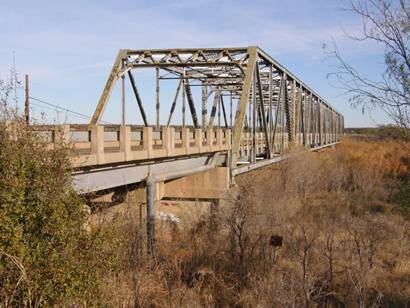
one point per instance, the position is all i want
(269, 107)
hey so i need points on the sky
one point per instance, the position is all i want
(68, 47)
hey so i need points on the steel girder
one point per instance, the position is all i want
(274, 108)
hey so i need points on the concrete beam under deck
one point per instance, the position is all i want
(98, 179)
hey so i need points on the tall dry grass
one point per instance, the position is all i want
(345, 242)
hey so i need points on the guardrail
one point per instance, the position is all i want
(98, 145)
(107, 144)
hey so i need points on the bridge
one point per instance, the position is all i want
(245, 110)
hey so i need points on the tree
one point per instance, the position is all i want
(45, 255)
(8, 87)
(386, 22)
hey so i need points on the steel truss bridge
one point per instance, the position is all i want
(251, 110)
(245, 110)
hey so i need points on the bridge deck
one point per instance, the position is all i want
(99, 145)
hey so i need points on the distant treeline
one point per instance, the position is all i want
(380, 132)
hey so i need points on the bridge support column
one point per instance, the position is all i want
(152, 183)
(212, 184)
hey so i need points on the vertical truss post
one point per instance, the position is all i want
(320, 119)
(243, 103)
(262, 111)
(230, 109)
(122, 100)
(204, 105)
(191, 103)
(253, 158)
(308, 118)
(157, 96)
(250, 117)
(294, 109)
(289, 116)
(316, 119)
(313, 119)
(283, 113)
(219, 110)
(317, 106)
(297, 114)
(217, 97)
(183, 99)
(270, 109)
(302, 115)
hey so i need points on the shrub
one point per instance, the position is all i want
(44, 248)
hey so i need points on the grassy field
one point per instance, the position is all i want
(341, 214)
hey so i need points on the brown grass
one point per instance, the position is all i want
(344, 240)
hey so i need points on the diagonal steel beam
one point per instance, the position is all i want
(138, 98)
(217, 97)
(223, 110)
(243, 103)
(174, 103)
(109, 86)
(191, 103)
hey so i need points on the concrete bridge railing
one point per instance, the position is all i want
(98, 144)
(94, 145)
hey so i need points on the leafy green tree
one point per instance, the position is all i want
(45, 251)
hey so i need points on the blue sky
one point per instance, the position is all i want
(68, 47)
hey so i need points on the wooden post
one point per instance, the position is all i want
(27, 102)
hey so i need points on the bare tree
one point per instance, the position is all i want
(386, 22)
(8, 87)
